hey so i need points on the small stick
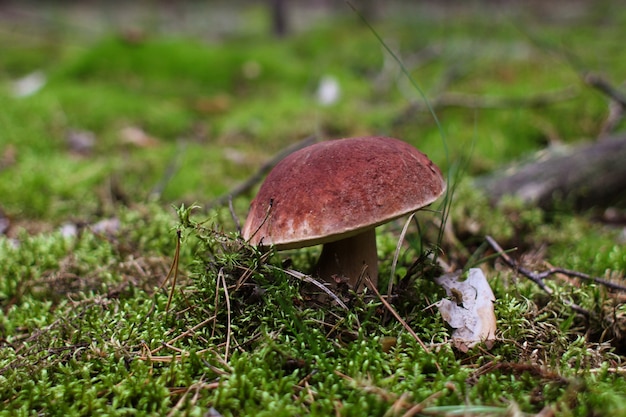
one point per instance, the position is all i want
(408, 328)
(602, 85)
(258, 176)
(510, 262)
(617, 107)
(308, 279)
(227, 297)
(536, 278)
(396, 255)
(582, 275)
(171, 170)
(173, 272)
(186, 333)
(233, 214)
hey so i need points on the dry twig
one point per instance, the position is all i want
(173, 272)
(400, 402)
(388, 306)
(310, 280)
(538, 278)
(258, 176)
(396, 254)
(602, 85)
(617, 105)
(227, 298)
(516, 368)
(186, 333)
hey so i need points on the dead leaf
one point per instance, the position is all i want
(5, 222)
(470, 308)
(133, 135)
(80, 142)
(8, 157)
(217, 104)
(108, 227)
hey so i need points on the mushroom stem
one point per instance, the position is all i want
(346, 258)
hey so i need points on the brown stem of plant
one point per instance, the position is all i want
(173, 272)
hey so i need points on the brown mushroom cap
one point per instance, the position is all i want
(339, 188)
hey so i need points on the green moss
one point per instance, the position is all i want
(85, 327)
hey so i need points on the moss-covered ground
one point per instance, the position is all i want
(148, 114)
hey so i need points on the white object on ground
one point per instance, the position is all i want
(328, 91)
(470, 308)
(29, 84)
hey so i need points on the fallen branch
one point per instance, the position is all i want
(587, 175)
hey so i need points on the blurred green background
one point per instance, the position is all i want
(180, 101)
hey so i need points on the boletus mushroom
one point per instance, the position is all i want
(335, 193)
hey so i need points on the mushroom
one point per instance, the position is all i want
(335, 193)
